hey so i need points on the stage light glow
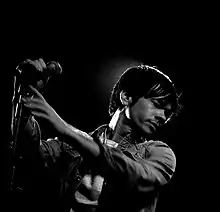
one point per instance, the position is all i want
(110, 71)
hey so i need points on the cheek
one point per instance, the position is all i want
(139, 116)
(139, 112)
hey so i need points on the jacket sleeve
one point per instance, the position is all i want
(31, 135)
(59, 155)
(50, 150)
(156, 167)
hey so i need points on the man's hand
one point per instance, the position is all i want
(38, 64)
(40, 108)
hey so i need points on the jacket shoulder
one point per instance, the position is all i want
(161, 151)
(99, 130)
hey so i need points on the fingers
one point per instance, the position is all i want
(38, 64)
(37, 92)
(39, 114)
(32, 99)
(34, 106)
(35, 103)
(42, 63)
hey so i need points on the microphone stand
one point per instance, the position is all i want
(18, 120)
(17, 111)
(20, 115)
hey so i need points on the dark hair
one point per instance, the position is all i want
(147, 81)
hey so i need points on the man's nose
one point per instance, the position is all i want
(160, 115)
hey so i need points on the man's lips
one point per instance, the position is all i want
(154, 125)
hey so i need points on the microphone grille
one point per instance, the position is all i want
(55, 67)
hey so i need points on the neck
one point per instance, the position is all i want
(121, 125)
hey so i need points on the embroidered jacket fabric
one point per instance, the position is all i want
(134, 170)
(54, 174)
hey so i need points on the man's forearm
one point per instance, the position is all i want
(81, 140)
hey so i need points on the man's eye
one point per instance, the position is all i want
(156, 103)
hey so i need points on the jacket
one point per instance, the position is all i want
(133, 170)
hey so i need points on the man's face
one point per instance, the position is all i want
(148, 114)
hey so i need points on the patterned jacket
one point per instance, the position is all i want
(133, 170)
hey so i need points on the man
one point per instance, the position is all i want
(127, 164)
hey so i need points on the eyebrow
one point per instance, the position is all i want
(163, 102)
(161, 97)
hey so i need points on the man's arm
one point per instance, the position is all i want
(81, 141)
(156, 169)
(50, 151)
(74, 137)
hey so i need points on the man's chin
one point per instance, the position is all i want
(146, 131)
(148, 128)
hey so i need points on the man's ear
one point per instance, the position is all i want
(125, 99)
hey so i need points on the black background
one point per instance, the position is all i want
(89, 49)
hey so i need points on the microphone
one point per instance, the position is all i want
(53, 68)
(30, 75)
